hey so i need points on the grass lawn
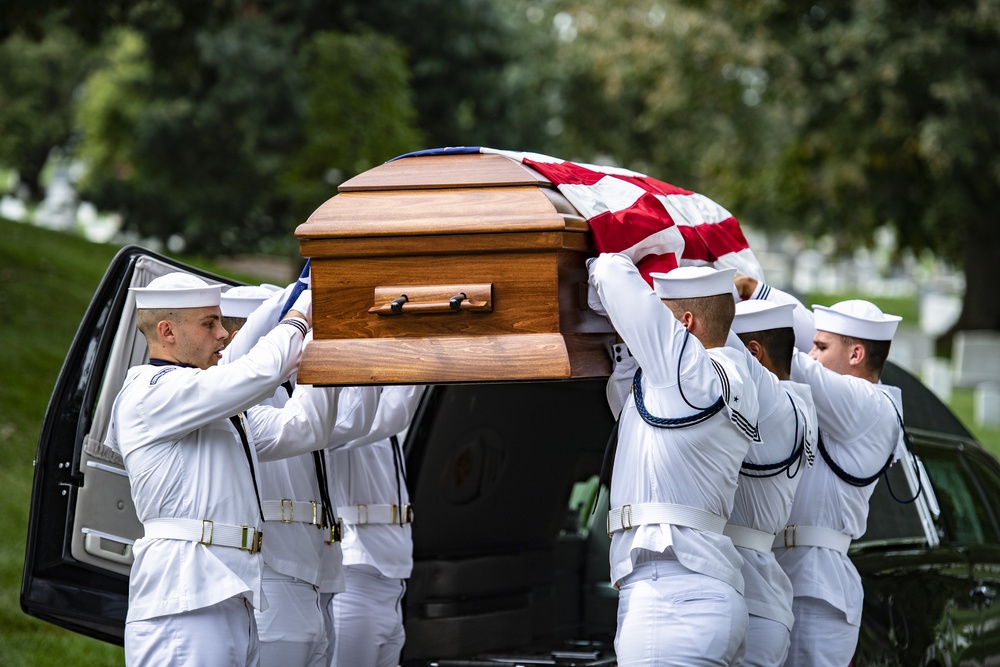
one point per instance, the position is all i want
(46, 282)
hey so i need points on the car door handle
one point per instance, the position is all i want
(983, 594)
(94, 544)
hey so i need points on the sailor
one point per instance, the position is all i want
(190, 452)
(300, 519)
(860, 435)
(238, 302)
(368, 484)
(770, 474)
(682, 439)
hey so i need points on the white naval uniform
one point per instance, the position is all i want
(378, 557)
(185, 460)
(859, 427)
(297, 562)
(787, 417)
(680, 598)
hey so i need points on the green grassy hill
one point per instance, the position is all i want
(46, 282)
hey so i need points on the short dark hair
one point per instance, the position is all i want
(146, 319)
(714, 312)
(232, 324)
(779, 344)
(876, 351)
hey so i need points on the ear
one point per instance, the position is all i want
(165, 330)
(857, 357)
(687, 319)
(756, 349)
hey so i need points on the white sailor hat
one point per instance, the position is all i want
(856, 318)
(692, 282)
(760, 315)
(242, 300)
(177, 290)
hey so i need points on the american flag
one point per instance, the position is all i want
(659, 225)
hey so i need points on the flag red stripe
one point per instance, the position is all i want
(565, 173)
(710, 241)
(615, 231)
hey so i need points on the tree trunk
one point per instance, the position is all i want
(981, 303)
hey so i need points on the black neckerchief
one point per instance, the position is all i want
(748, 469)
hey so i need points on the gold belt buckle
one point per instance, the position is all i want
(626, 510)
(407, 514)
(291, 511)
(793, 527)
(336, 532)
(315, 521)
(210, 525)
(251, 539)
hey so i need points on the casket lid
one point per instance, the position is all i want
(447, 194)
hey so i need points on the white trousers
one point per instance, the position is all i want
(222, 635)
(293, 628)
(368, 619)
(669, 615)
(821, 636)
(767, 643)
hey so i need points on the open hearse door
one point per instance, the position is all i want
(82, 522)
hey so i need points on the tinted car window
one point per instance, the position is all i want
(892, 522)
(990, 488)
(965, 516)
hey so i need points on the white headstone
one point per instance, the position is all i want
(936, 374)
(976, 357)
(911, 348)
(986, 410)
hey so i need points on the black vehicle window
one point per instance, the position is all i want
(962, 508)
(891, 522)
(989, 485)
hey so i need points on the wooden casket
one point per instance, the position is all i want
(454, 268)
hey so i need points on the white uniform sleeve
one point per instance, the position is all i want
(189, 399)
(850, 406)
(396, 408)
(302, 425)
(652, 333)
(264, 318)
(355, 415)
(802, 318)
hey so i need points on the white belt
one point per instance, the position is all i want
(749, 538)
(360, 515)
(302, 511)
(812, 536)
(629, 516)
(205, 532)
(287, 511)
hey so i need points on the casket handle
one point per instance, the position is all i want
(428, 299)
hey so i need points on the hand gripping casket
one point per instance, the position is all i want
(454, 268)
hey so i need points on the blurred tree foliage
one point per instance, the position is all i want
(228, 122)
(830, 118)
(38, 78)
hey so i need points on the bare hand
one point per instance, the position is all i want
(745, 285)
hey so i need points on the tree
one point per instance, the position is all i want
(226, 123)
(38, 82)
(209, 141)
(829, 118)
(368, 119)
(897, 105)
